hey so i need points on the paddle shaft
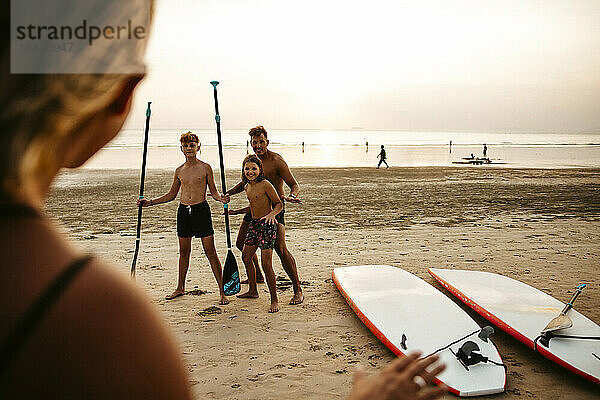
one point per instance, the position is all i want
(141, 196)
(569, 305)
(221, 160)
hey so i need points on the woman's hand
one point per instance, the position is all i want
(405, 378)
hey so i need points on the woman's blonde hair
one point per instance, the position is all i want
(38, 111)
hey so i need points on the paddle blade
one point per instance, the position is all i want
(231, 276)
(560, 322)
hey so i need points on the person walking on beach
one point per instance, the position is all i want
(382, 157)
(277, 172)
(484, 150)
(193, 214)
(265, 204)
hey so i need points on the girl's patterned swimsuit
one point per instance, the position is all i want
(261, 234)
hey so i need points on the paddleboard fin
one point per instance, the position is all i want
(485, 333)
(465, 351)
(467, 355)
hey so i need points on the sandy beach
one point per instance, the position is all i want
(540, 226)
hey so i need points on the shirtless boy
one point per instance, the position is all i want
(277, 172)
(265, 204)
(193, 215)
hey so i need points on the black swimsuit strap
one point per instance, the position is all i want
(35, 314)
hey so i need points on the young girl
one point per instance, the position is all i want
(264, 205)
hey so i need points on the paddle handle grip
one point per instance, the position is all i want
(575, 295)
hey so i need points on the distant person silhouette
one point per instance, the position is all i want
(484, 150)
(382, 158)
(451, 146)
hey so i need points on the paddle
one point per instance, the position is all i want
(143, 177)
(562, 321)
(231, 275)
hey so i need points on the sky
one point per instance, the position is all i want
(438, 65)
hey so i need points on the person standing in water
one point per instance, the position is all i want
(484, 150)
(382, 157)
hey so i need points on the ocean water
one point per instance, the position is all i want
(348, 148)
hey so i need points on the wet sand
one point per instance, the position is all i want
(539, 226)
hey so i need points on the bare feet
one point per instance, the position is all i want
(248, 295)
(274, 307)
(259, 279)
(224, 300)
(298, 298)
(175, 294)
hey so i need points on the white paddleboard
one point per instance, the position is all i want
(392, 302)
(523, 312)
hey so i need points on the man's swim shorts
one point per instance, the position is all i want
(194, 220)
(261, 234)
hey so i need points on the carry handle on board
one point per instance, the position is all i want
(562, 321)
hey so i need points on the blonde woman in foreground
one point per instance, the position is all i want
(70, 326)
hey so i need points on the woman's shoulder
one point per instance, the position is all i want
(104, 335)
